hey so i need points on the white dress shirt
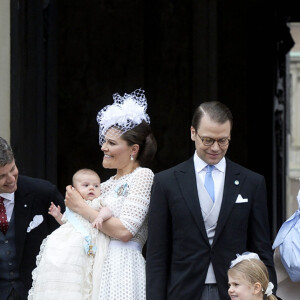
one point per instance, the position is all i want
(9, 203)
(218, 173)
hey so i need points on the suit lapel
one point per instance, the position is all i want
(22, 215)
(233, 181)
(187, 182)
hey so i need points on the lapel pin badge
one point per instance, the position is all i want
(25, 205)
(236, 182)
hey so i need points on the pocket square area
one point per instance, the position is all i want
(36, 221)
(240, 199)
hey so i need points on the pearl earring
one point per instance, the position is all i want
(131, 157)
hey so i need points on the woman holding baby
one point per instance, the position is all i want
(128, 145)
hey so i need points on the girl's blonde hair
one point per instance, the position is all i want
(253, 270)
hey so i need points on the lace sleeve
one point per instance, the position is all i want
(105, 187)
(135, 207)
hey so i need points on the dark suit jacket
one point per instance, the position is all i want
(178, 250)
(33, 197)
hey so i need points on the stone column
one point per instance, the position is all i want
(5, 69)
(293, 171)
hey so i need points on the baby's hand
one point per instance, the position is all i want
(103, 215)
(54, 210)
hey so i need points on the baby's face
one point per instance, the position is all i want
(88, 185)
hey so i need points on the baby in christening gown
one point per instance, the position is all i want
(67, 256)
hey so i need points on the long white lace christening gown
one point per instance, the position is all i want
(123, 274)
(64, 269)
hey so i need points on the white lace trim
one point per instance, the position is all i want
(131, 207)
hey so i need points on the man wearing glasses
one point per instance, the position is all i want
(202, 213)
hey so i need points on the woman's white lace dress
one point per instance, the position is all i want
(123, 274)
(64, 270)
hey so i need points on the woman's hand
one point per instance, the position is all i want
(74, 201)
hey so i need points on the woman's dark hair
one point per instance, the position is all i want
(143, 136)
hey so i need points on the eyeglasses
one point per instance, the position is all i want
(208, 141)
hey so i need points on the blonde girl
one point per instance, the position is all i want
(248, 279)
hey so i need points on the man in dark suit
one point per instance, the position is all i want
(202, 213)
(24, 223)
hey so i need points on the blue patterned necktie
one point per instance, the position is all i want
(209, 182)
